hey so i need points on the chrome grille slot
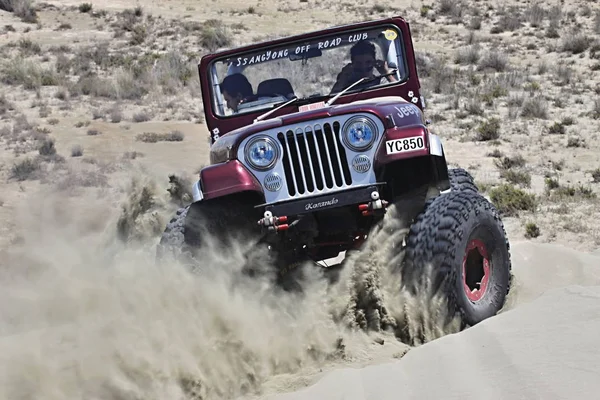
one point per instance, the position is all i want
(314, 159)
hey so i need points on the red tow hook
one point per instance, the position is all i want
(277, 228)
(371, 207)
(274, 223)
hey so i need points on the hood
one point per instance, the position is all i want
(226, 145)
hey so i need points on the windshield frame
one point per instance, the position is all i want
(403, 74)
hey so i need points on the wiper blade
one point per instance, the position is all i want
(337, 96)
(265, 115)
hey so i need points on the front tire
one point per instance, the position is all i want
(460, 235)
(214, 224)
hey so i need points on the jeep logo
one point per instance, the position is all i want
(312, 206)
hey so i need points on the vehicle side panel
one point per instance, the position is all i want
(227, 178)
(402, 149)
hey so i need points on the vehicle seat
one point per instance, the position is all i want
(274, 87)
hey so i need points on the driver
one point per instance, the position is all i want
(236, 89)
(363, 61)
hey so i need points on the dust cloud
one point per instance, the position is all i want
(87, 313)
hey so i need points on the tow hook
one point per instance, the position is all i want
(275, 223)
(375, 206)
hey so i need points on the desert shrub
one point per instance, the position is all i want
(475, 23)
(467, 55)
(595, 175)
(557, 191)
(141, 117)
(596, 109)
(29, 47)
(552, 30)
(532, 230)
(214, 35)
(489, 130)
(138, 34)
(25, 169)
(76, 151)
(116, 115)
(534, 107)
(493, 60)
(575, 141)
(575, 43)
(558, 128)
(517, 177)
(21, 8)
(510, 21)
(535, 15)
(153, 137)
(19, 71)
(85, 7)
(47, 147)
(509, 200)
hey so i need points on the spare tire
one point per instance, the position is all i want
(460, 235)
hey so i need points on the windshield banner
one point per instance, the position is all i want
(308, 47)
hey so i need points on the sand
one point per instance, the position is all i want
(86, 313)
(544, 346)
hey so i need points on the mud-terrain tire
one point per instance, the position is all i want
(172, 241)
(448, 235)
(219, 221)
(461, 179)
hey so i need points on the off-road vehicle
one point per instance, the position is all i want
(319, 134)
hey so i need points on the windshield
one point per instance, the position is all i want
(314, 68)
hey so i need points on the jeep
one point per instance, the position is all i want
(313, 137)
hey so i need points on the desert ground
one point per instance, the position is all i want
(100, 103)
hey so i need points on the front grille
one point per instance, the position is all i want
(314, 159)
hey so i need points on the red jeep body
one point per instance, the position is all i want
(316, 167)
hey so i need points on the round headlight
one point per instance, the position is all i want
(359, 133)
(262, 153)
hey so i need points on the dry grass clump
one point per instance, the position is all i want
(21, 8)
(510, 19)
(21, 71)
(559, 192)
(141, 117)
(152, 137)
(32, 167)
(493, 60)
(512, 169)
(575, 43)
(214, 35)
(467, 55)
(534, 107)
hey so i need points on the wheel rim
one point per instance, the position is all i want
(476, 270)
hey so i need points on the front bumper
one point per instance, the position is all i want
(324, 202)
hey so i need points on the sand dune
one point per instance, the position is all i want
(545, 346)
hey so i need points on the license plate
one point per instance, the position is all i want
(404, 145)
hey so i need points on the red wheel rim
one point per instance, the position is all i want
(476, 270)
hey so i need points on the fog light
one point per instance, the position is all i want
(361, 163)
(273, 182)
